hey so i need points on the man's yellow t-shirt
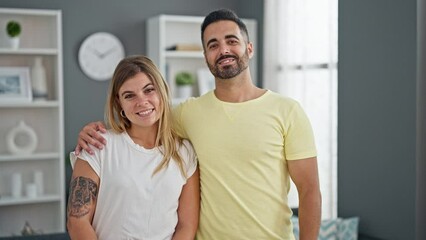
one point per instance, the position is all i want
(243, 149)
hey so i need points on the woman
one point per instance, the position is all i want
(145, 183)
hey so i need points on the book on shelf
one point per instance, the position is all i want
(185, 47)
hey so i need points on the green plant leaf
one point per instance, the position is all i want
(13, 29)
(184, 78)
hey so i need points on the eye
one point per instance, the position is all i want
(232, 42)
(149, 90)
(128, 96)
(212, 46)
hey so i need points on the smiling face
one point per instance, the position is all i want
(226, 49)
(140, 100)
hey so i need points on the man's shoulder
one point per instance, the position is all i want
(274, 98)
(196, 101)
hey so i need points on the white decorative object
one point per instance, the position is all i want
(21, 139)
(31, 190)
(14, 42)
(38, 180)
(16, 185)
(184, 91)
(38, 79)
(13, 30)
(99, 54)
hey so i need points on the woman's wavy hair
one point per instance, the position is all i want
(166, 136)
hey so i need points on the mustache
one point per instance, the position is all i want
(225, 56)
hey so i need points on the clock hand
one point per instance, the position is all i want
(96, 52)
(104, 54)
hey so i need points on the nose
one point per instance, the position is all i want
(224, 49)
(142, 100)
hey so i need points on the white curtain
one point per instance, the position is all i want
(300, 59)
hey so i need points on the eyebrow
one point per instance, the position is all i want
(226, 37)
(144, 87)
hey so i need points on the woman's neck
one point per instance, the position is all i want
(144, 137)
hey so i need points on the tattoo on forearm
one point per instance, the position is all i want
(83, 192)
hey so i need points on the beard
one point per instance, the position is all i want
(230, 71)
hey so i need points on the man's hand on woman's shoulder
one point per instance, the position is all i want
(90, 135)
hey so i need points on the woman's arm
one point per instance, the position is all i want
(82, 201)
(189, 209)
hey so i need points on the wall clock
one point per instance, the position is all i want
(99, 54)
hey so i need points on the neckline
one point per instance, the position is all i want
(267, 92)
(137, 146)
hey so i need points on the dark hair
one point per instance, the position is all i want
(220, 15)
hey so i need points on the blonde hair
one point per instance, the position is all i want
(166, 136)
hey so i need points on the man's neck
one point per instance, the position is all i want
(237, 89)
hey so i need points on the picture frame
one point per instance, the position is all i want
(15, 85)
(205, 80)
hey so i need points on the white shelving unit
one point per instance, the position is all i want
(164, 31)
(41, 36)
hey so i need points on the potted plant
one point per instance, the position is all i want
(13, 29)
(184, 82)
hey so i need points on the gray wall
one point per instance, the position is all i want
(84, 98)
(377, 116)
(421, 122)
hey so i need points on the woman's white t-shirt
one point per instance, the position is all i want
(132, 203)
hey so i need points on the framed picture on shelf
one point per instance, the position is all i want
(15, 84)
(205, 80)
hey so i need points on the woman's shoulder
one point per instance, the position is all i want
(186, 150)
(185, 145)
(112, 135)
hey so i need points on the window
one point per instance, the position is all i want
(300, 61)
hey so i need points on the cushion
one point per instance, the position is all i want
(333, 229)
(348, 229)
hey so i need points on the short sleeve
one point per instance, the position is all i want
(189, 157)
(177, 120)
(93, 160)
(299, 139)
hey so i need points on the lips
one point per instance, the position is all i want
(145, 112)
(225, 59)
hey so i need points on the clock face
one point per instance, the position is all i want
(99, 54)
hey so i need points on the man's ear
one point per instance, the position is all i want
(250, 49)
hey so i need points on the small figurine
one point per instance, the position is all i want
(27, 230)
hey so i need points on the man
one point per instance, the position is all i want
(249, 142)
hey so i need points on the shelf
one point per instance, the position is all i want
(184, 54)
(34, 104)
(29, 12)
(9, 201)
(42, 38)
(29, 51)
(30, 157)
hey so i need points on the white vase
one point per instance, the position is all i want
(38, 80)
(16, 185)
(21, 139)
(31, 190)
(14, 42)
(184, 91)
(38, 180)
